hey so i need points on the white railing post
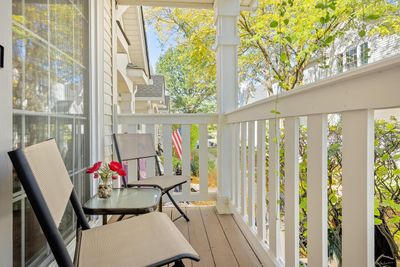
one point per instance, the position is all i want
(243, 168)
(167, 144)
(274, 189)
(150, 162)
(261, 187)
(203, 159)
(236, 166)
(292, 192)
(227, 41)
(186, 158)
(251, 177)
(358, 189)
(317, 198)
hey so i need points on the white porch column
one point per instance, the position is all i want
(126, 103)
(227, 41)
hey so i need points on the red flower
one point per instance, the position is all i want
(115, 166)
(96, 175)
(115, 177)
(121, 172)
(94, 168)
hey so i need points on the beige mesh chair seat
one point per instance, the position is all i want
(130, 234)
(135, 146)
(147, 240)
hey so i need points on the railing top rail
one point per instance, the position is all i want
(211, 118)
(374, 86)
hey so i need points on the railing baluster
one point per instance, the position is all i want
(150, 162)
(358, 188)
(317, 206)
(203, 159)
(236, 166)
(243, 161)
(274, 188)
(186, 158)
(261, 189)
(292, 191)
(250, 181)
(167, 139)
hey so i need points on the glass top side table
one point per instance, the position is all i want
(124, 201)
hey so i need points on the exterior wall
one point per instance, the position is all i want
(379, 48)
(108, 79)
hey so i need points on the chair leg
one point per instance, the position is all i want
(179, 263)
(177, 207)
(160, 205)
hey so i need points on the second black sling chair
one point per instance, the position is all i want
(136, 146)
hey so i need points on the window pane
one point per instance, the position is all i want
(36, 17)
(61, 25)
(35, 242)
(19, 51)
(36, 129)
(62, 89)
(63, 129)
(36, 76)
(17, 212)
(50, 100)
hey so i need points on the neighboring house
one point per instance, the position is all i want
(346, 54)
(151, 98)
(139, 91)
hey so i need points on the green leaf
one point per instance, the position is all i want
(377, 221)
(284, 57)
(322, 20)
(373, 17)
(362, 33)
(286, 21)
(273, 24)
(385, 157)
(320, 6)
(395, 219)
(329, 39)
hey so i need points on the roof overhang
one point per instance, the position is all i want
(138, 76)
(198, 4)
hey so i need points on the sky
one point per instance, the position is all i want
(154, 46)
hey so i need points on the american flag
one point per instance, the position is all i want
(177, 142)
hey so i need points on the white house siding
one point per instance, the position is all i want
(379, 48)
(108, 80)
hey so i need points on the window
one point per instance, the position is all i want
(339, 63)
(364, 53)
(50, 100)
(351, 58)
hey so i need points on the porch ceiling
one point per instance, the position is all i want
(134, 29)
(206, 4)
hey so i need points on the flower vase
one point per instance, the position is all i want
(105, 189)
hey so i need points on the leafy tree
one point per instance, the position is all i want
(189, 89)
(281, 38)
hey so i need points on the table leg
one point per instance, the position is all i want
(104, 219)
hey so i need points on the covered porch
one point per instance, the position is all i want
(254, 221)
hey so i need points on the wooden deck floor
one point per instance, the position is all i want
(217, 238)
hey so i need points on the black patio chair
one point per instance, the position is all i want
(135, 146)
(147, 240)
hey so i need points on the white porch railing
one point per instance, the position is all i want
(161, 126)
(355, 95)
